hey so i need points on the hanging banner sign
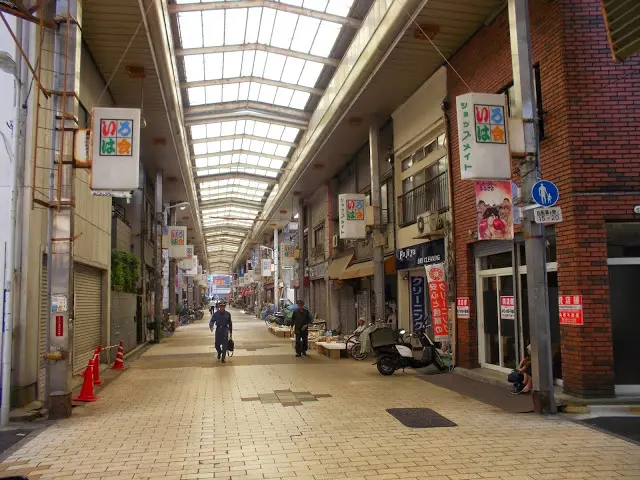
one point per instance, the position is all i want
(438, 299)
(115, 148)
(177, 242)
(483, 137)
(351, 216)
(494, 209)
(507, 308)
(193, 271)
(463, 307)
(266, 267)
(420, 255)
(165, 278)
(418, 307)
(187, 263)
(570, 310)
(287, 255)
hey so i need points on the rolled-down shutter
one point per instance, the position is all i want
(320, 296)
(88, 314)
(42, 329)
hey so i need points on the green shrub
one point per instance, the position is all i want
(125, 271)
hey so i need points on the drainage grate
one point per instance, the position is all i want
(420, 418)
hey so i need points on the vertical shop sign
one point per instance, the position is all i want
(463, 307)
(438, 299)
(483, 137)
(266, 267)
(59, 326)
(115, 152)
(570, 310)
(418, 308)
(177, 242)
(351, 216)
(165, 279)
(507, 308)
(287, 255)
(494, 209)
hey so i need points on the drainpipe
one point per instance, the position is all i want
(450, 245)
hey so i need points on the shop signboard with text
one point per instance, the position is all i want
(438, 300)
(177, 242)
(570, 310)
(418, 307)
(483, 137)
(420, 255)
(266, 267)
(463, 307)
(352, 224)
(507, 308)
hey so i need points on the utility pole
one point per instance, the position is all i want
(301, 249)
(535, 245)
(378, 246)
(158, 256)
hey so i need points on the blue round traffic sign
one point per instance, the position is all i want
(545, 193)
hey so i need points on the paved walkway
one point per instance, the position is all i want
(177, 414)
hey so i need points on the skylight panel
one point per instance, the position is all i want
(194, 68)
(202, 173)
(283, 96)
(299, 99)
(198, 132)
(254, 91)
(282, 151)
(232, 64)
(213, 147)
(190, 24)
(213, 21)
(240, 126)
(272, 174)
(277, 163)
(275, 132)
(264, 162)
(325, 38)
(274, 66)
(234, 28)
(237, 145)
(266, 25)
(227, 128)
(319, 5)
(213, 66)
(310, 74)
(226, 145)
(200, 149)
(253, 159)
(243, 92)
(259, 62)
(293, 2)
(201, 162)
(292, 70)
(214, 93)
(339, 7)
(253, 25)
(284, 26)
(267, 93)
(247, 62)
(290, 134)
(230, 92)
(269, 148)
(256, 146)
(304, 34)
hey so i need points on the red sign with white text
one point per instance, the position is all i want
(463, 307)
(59, 326)
(570, 309)
(438, 298)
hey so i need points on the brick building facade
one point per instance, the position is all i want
(591, 110)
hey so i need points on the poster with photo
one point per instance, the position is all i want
(494, 209)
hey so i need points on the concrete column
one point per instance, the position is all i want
(66, 65)
(302, 248)
(276, 262)
(378, 239)
(158, 255)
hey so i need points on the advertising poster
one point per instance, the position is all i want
(418, 307)
(463, 308)
(570, 310)
(507, 308)
(438, 299)
(494, 208)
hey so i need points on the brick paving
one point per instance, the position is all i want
(178, 414)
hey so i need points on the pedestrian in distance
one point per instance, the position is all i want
(224, 330)
(301, 319)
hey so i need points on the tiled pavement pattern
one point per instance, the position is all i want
(177, 414)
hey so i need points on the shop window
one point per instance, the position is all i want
(623, 240)
(386, 201)
(318, 236)
(514, 111)
(499, 260)
(423, 152)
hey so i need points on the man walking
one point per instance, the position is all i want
(224, 329)
(301, 320)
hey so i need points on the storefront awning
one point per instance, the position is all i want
(365, 269)
(338, 266)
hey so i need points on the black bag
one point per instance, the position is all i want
(231, 346)
(515, 377)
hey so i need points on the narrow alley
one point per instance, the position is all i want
(176, 413)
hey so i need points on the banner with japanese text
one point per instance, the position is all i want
(177, 242)
(438, 300)
(418, 307)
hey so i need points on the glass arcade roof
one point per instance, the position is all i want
(239, 60)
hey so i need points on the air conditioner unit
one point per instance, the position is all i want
(428, 222)
(336, 242)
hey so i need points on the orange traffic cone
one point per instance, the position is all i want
(86, 394)
(119, 363)
(96, 366)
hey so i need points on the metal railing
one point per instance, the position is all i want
(432, 196)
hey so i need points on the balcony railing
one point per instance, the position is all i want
(432, 196)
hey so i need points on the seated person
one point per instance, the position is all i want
(361, 326)
(525, 382)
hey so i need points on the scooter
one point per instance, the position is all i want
(398, 354)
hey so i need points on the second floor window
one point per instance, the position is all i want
(318, 236)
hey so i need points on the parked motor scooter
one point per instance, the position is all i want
(394, 354)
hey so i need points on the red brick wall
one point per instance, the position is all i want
(590, 151)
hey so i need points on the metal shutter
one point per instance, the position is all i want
(88, 314)
(42, 330)
(320, 296)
